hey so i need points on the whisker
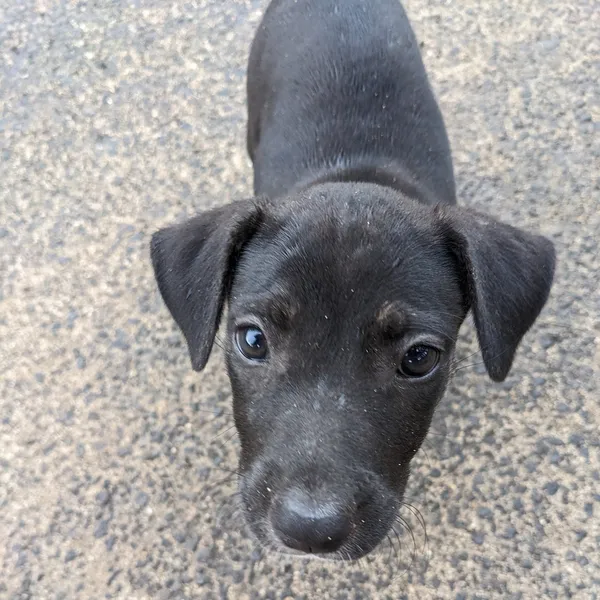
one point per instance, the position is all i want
(442, 333)
(408, 528)
(416, 512)
(223, 446)
(450, 314)
(426, 455)
(457, 362)
(226, 479)
(544, 327)
(216, 413)
(233, 472)
(222, 432)
(421, 520)
(481, 362)
(475, 364)
(397, 535)
(436, 433)
(397, 539)
(391, 545)
(219, 343)
(360, 549)
(431, 328)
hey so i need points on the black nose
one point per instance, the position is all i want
(307, 525)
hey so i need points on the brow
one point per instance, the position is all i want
(396, 318)
(276, 308)
(392, 318)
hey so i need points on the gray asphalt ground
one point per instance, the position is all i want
(116, 460)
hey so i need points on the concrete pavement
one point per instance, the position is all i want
(117, 461)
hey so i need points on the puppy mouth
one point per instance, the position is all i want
(367, 527)
(360, 544)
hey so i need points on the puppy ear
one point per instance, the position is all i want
(506, 275)
(193, 265)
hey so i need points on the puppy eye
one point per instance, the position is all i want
(419, 361)
(251, 342)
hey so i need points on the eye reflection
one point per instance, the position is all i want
(251, 342)
(419, 361)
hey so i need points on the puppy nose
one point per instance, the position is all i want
(309, 526)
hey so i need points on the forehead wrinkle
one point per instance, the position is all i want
(439, 325)
(318, 263)
(277, 307)
(391, 317)
(281, 310)
(404, 318)
(391, 310)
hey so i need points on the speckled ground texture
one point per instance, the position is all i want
(117, 461)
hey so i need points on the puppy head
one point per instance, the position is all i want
(344, 307)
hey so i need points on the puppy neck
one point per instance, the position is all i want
(388, 175)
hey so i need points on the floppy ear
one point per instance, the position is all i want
(506, 274)
(193, 265)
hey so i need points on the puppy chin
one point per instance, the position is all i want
(370, 527)
(267, 539)
(363, 541)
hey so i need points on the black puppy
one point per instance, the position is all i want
(347, 277)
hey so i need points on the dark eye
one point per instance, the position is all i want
(419, 361)
(251, 342)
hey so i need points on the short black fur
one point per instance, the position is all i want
(352, 257)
